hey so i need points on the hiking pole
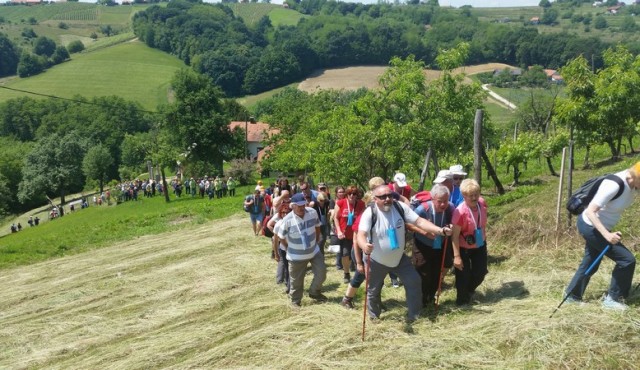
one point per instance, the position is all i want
(366, 290)
(586, 273)
(441, 275)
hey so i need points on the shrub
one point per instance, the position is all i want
(242, 170)
(63, 26)
(75, 46)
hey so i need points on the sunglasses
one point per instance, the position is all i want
(384, 196)
(457, 178)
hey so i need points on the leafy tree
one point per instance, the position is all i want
(63, 26)
(198, 117)
(549, 16)
(60, 55)
(106, 30)
(600, 23)
(628, 24)
(575, 110)
(526, 147)
(75, 46)
(616, 98)
(28, 33)
(97, 164)
(534, 77)
(12, 153)
(5, 196)
(53, 168)
(44, 46)
(275, 68)
(30, 65)
(9, 56)
(544, 4)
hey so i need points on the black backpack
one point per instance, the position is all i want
(580, 199)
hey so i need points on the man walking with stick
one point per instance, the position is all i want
(596, 225)
(383, 224)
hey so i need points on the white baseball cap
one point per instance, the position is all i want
(400, 179)
(443, 176)
(457, 170)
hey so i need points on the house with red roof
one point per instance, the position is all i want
(257, 136)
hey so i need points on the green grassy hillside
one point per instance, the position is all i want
(130, 70)
(251, 13)
(80, 20)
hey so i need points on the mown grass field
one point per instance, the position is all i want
(251, 13)
(186, 285)
(130, 70)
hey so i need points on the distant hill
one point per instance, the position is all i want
(67, 21)
(130, 70)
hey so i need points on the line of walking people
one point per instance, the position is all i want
(370, 227)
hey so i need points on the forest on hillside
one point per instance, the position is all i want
(246, 60)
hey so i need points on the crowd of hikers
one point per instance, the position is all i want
(367, 230)
(445, 228)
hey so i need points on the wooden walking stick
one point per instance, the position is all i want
(444, 253)
(366, 289)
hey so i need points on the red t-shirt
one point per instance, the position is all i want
(405, 192)
(343, 217)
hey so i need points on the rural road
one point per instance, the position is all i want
(499, 98)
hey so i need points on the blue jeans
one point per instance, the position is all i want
(622, 274)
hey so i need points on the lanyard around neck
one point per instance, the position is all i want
(475, 224)
(433, 212)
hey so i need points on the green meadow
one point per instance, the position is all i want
(251, 13)
(130, 70)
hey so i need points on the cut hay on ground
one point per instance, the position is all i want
(206, 297)
(353, 78)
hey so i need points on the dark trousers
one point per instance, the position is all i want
(622, 274)
(474, 263)
(429, 267)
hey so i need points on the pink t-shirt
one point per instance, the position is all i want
(468, 220)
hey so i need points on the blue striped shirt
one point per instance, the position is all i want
(300, 234)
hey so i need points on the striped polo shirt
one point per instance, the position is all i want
(300, 234)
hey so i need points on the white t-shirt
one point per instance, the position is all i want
(382, 252)
(611, 210)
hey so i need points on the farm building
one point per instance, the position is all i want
(257, 135)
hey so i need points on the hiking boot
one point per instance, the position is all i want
(318, 297)
(295, 304)
(611, 304)
(395, 283)
(347, 278)
(347, 303)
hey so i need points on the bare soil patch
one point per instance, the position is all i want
(353, 78)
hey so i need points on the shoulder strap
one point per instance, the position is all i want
(374, 218)
(400, 210)
(620, 185)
